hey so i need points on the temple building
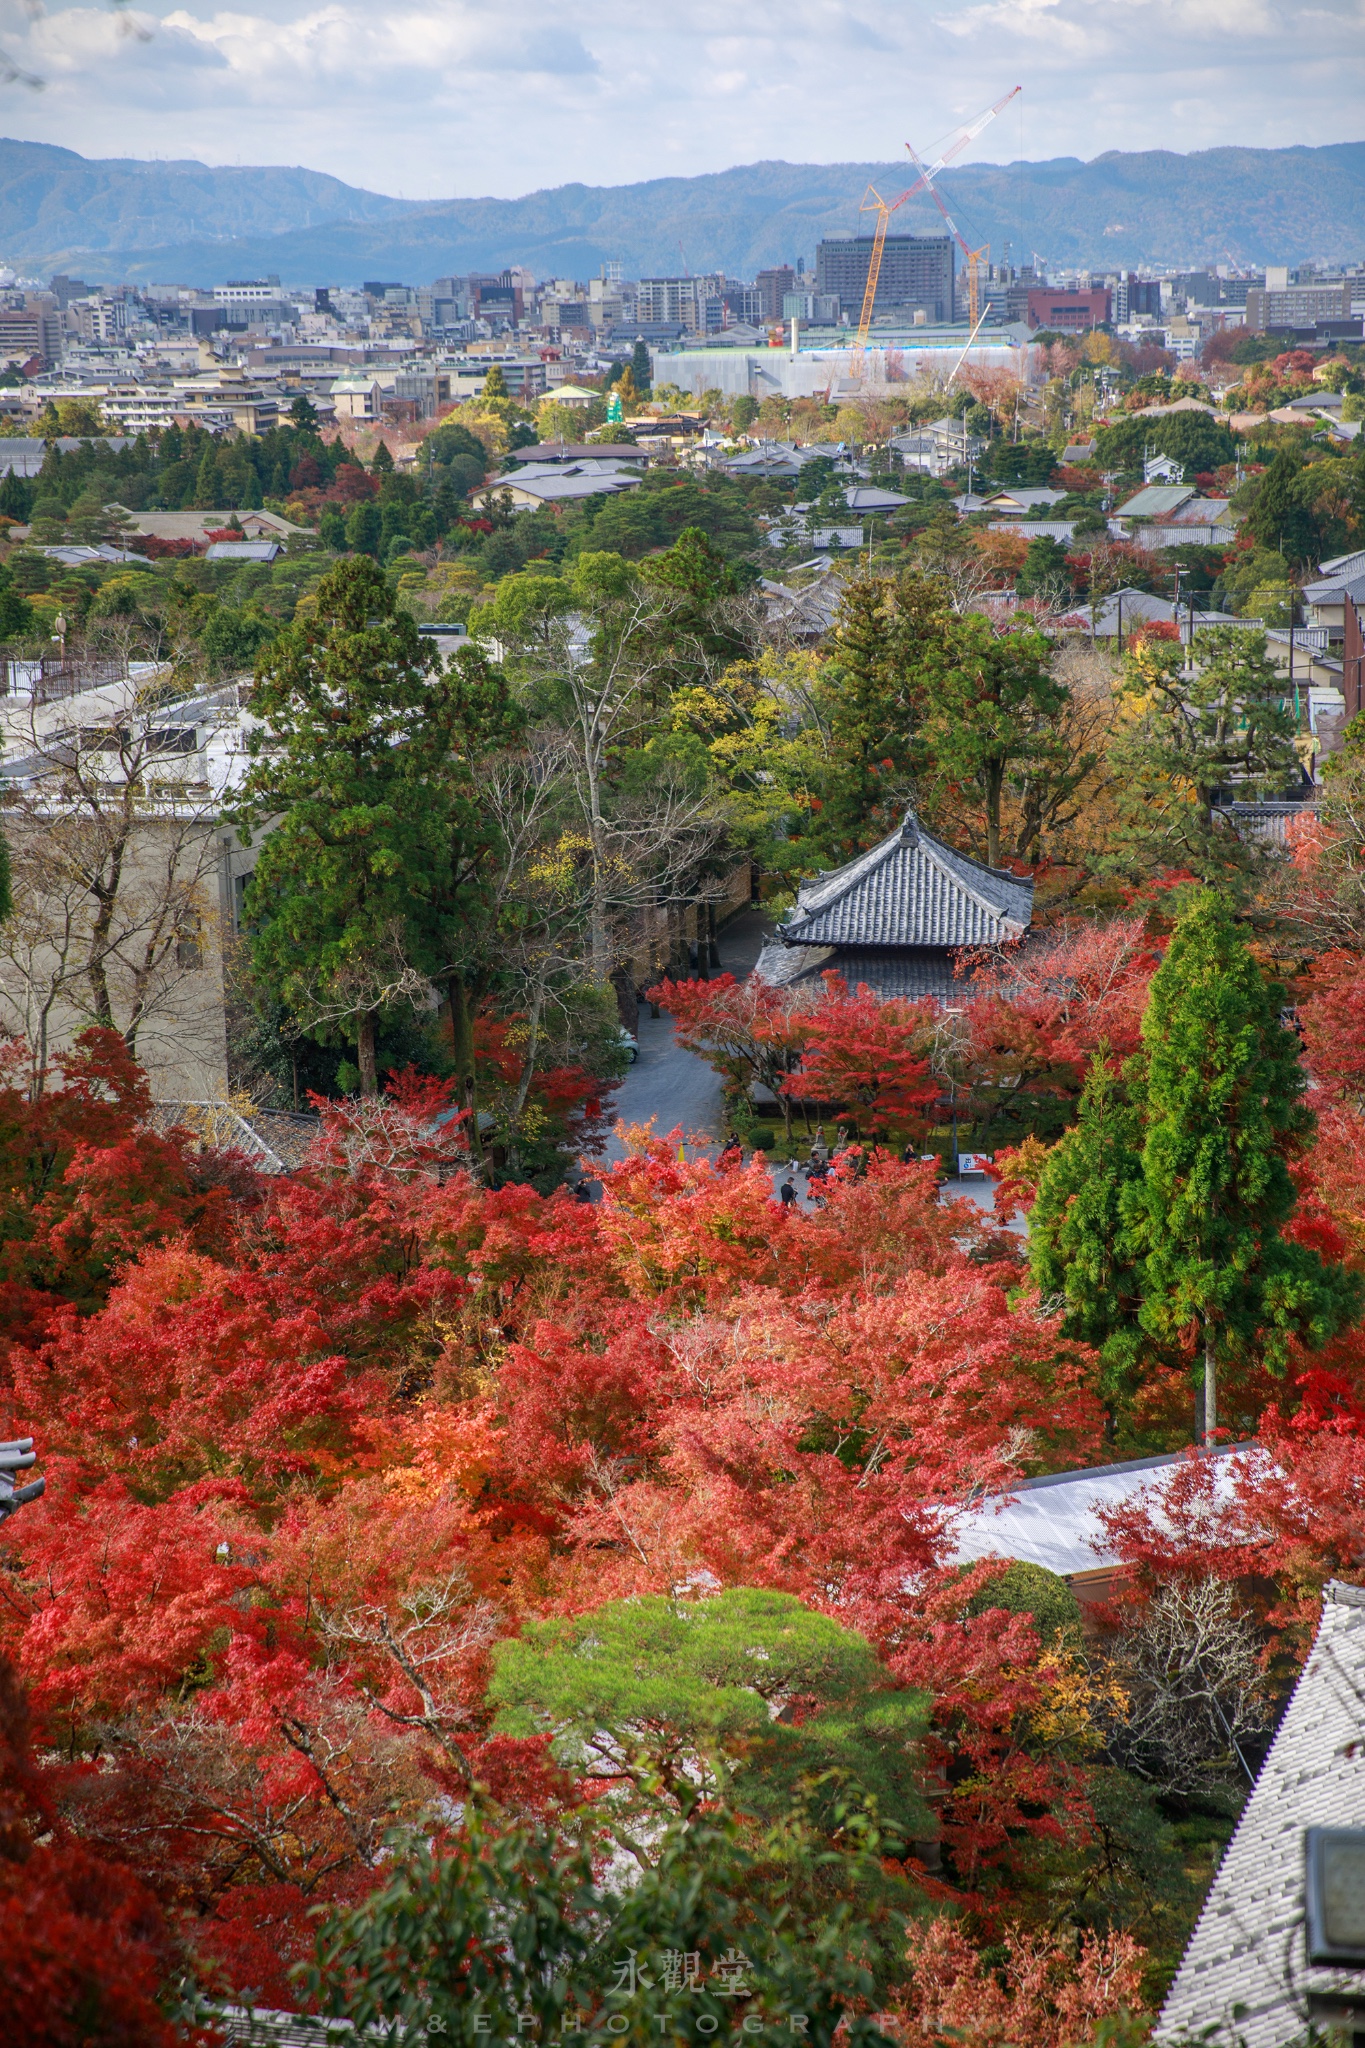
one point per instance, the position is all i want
(896, 916)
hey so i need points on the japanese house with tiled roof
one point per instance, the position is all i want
(896, 917)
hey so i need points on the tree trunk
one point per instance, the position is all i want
(1209, 1389)
(995, 780)
(461, 1038)
(369, 1079)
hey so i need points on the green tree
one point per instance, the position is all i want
(1280, 518)
(16, 613)
(364, 528)
(1223, 1114)
(1081, 1246)
(1187, 736)
(469, 1941)
(890, 639)
(641, 369)
(685, 1701)
(206, 492)
(350, 751)
(989, 704)
(383, 461)
(303, 414)
(495, 384)
(1045, 572)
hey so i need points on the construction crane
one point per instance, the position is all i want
(874, 203)
(973, 256)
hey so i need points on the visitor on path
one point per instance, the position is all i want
(787, 1193)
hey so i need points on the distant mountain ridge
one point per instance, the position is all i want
(191, 223)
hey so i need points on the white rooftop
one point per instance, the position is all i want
(1055, 1521)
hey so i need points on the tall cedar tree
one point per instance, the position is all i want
(361, 748)
(1223, 1112)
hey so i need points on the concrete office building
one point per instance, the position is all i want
(916, 274)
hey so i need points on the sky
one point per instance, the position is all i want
(447, 98)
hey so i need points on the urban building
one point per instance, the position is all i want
(1074, 312)
(916, 275)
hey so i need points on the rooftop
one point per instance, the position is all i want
(1156, 501)
(1246, 1974)
(912, 890)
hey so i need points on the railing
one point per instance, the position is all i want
(47, 678)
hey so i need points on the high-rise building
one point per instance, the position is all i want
(916, 274)
(772, 287)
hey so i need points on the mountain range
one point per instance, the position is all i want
(191, 223)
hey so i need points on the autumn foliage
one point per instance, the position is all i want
(314, 1446)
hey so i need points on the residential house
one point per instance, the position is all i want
(896, 917)
(557, 483)
(865, 498)
(1335, 603)
(1021, 503)
(561, 452)
(943, 445)
(1152, 502)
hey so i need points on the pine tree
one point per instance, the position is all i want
(641, 369)
(1080, 1246)
(495, 384)
(1190, 735)
(1223, 1114)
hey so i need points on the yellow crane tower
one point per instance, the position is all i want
(874, 203)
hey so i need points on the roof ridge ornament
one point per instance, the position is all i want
(910, 828)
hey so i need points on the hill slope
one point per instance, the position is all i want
(188, 223)
(54, 203)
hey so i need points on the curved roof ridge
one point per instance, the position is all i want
(911, 890)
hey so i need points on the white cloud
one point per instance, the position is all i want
(437, 97)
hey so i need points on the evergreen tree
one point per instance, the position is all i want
(641, 369)
(16, 613)
(1188, 736)
(16, 496)
(383, 460)
(1081, 1247)
(364, 528)
(369, 756)
(1223, 1114)
(304, 414)
(991, 703)
(1280, 518)
(495, 384)
(206, 489)
(345, 752)
(889, 636)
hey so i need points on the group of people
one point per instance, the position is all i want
(816, 1168)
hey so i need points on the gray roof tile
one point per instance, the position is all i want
(912, 890)
(1245, 1972)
